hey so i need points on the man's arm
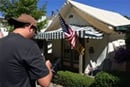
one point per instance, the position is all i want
(45, 81)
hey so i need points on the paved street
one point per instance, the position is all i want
(52, 85)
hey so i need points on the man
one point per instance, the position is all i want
(21, 62)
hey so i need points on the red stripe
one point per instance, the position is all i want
(70, 37)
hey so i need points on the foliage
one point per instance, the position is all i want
(122, 54)
(13, 8)
(70, 79)
(127, 40)
(112, 79)
(123, 78)
(103, 79)
(127, 17)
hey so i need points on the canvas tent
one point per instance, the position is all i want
(100, 19)
(88, 22)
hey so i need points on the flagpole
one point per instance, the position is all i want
(70, 36)
(80, 63)
(81, 53)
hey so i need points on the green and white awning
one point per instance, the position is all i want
(82, 32)
(122, 28)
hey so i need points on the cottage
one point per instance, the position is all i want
(96, 29)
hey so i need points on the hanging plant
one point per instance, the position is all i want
(121, 54)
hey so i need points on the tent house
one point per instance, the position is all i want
(96, 32)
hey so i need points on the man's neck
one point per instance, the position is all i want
(20, 31)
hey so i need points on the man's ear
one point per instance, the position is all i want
(29, 27)
(31, 30)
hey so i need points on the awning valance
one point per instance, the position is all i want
(122, 28)
(82, 32)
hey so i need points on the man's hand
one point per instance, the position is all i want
(45, 81)
(49, 65)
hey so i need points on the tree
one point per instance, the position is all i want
(13, 8)
(127, 39)
(127, 17)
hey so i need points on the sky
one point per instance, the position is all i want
(120, 6)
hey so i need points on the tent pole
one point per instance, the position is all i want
(80, 63)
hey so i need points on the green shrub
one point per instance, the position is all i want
(70, 79)
(124, 78)
(103, 79)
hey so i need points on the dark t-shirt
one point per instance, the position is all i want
(21, 62)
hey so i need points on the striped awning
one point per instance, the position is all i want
(82, 32)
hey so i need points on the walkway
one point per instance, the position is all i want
(52, 85)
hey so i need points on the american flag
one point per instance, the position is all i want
(70, 35)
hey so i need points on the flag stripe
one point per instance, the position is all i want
(68, 32)
(71, 37)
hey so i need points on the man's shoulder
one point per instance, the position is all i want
(17, 39)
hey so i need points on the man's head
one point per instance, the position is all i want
(25, 24)
(23, 18)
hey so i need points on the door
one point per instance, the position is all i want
(70, 58)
